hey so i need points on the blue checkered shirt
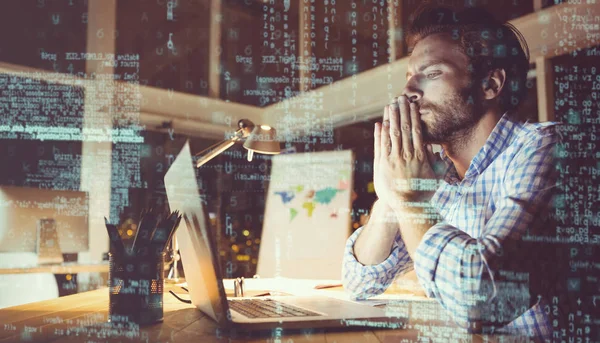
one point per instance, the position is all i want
(473, 260)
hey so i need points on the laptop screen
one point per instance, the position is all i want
(196, 242)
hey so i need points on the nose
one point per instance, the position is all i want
(412, 90)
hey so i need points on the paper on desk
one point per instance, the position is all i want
(306, 287)
(382, 299)
(283, 285)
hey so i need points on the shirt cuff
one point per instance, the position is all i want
(364, 281)
(429, 250)
(387, 265)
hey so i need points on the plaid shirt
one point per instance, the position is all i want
(474, 260)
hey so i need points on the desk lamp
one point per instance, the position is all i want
(260, 139)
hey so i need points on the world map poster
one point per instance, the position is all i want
(307, 215)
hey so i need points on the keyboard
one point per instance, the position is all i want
(268, 308)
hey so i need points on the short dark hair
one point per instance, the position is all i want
(488, 43)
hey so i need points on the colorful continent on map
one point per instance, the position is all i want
(293, 213)
(324, 196)
(310, 207)
(286, 197)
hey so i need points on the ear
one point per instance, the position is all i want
(493, 84)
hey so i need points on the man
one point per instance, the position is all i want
(468, 241)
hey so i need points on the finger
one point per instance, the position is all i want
(385, 135)
(377, 143)
(395, 135)
(416, 133)
(386, 115)
(430, 155)
(407, 146)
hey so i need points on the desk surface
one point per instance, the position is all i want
(83, 318)
(63, 268)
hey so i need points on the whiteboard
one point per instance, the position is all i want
(307, 215)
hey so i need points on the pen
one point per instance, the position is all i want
(116, 243)
(271, 293)
(142, 236)
(163, 232)
(177, 219)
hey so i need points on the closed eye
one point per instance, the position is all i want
(434, 74)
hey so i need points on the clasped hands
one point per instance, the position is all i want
(404, 168)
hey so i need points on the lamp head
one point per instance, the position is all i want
(262, 140)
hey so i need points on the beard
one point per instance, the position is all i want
(451, 119)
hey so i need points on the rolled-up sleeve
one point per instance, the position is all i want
(364, 281)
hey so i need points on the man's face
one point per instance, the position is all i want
(439, 81)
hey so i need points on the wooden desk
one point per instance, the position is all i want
(63, 268)
(83, 318)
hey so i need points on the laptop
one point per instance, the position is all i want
(203, 275)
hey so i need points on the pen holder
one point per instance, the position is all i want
(136, 288)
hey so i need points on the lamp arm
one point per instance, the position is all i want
(210, 148)
(217, 149)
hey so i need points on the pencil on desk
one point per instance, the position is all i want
(324, 286)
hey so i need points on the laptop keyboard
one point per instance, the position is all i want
(268, 308)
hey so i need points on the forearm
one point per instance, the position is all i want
(374, 243)
(365, 280)
(418, 218)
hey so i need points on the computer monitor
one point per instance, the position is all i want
(21, 209)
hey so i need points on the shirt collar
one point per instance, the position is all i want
(451, 175)
(500, 138)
